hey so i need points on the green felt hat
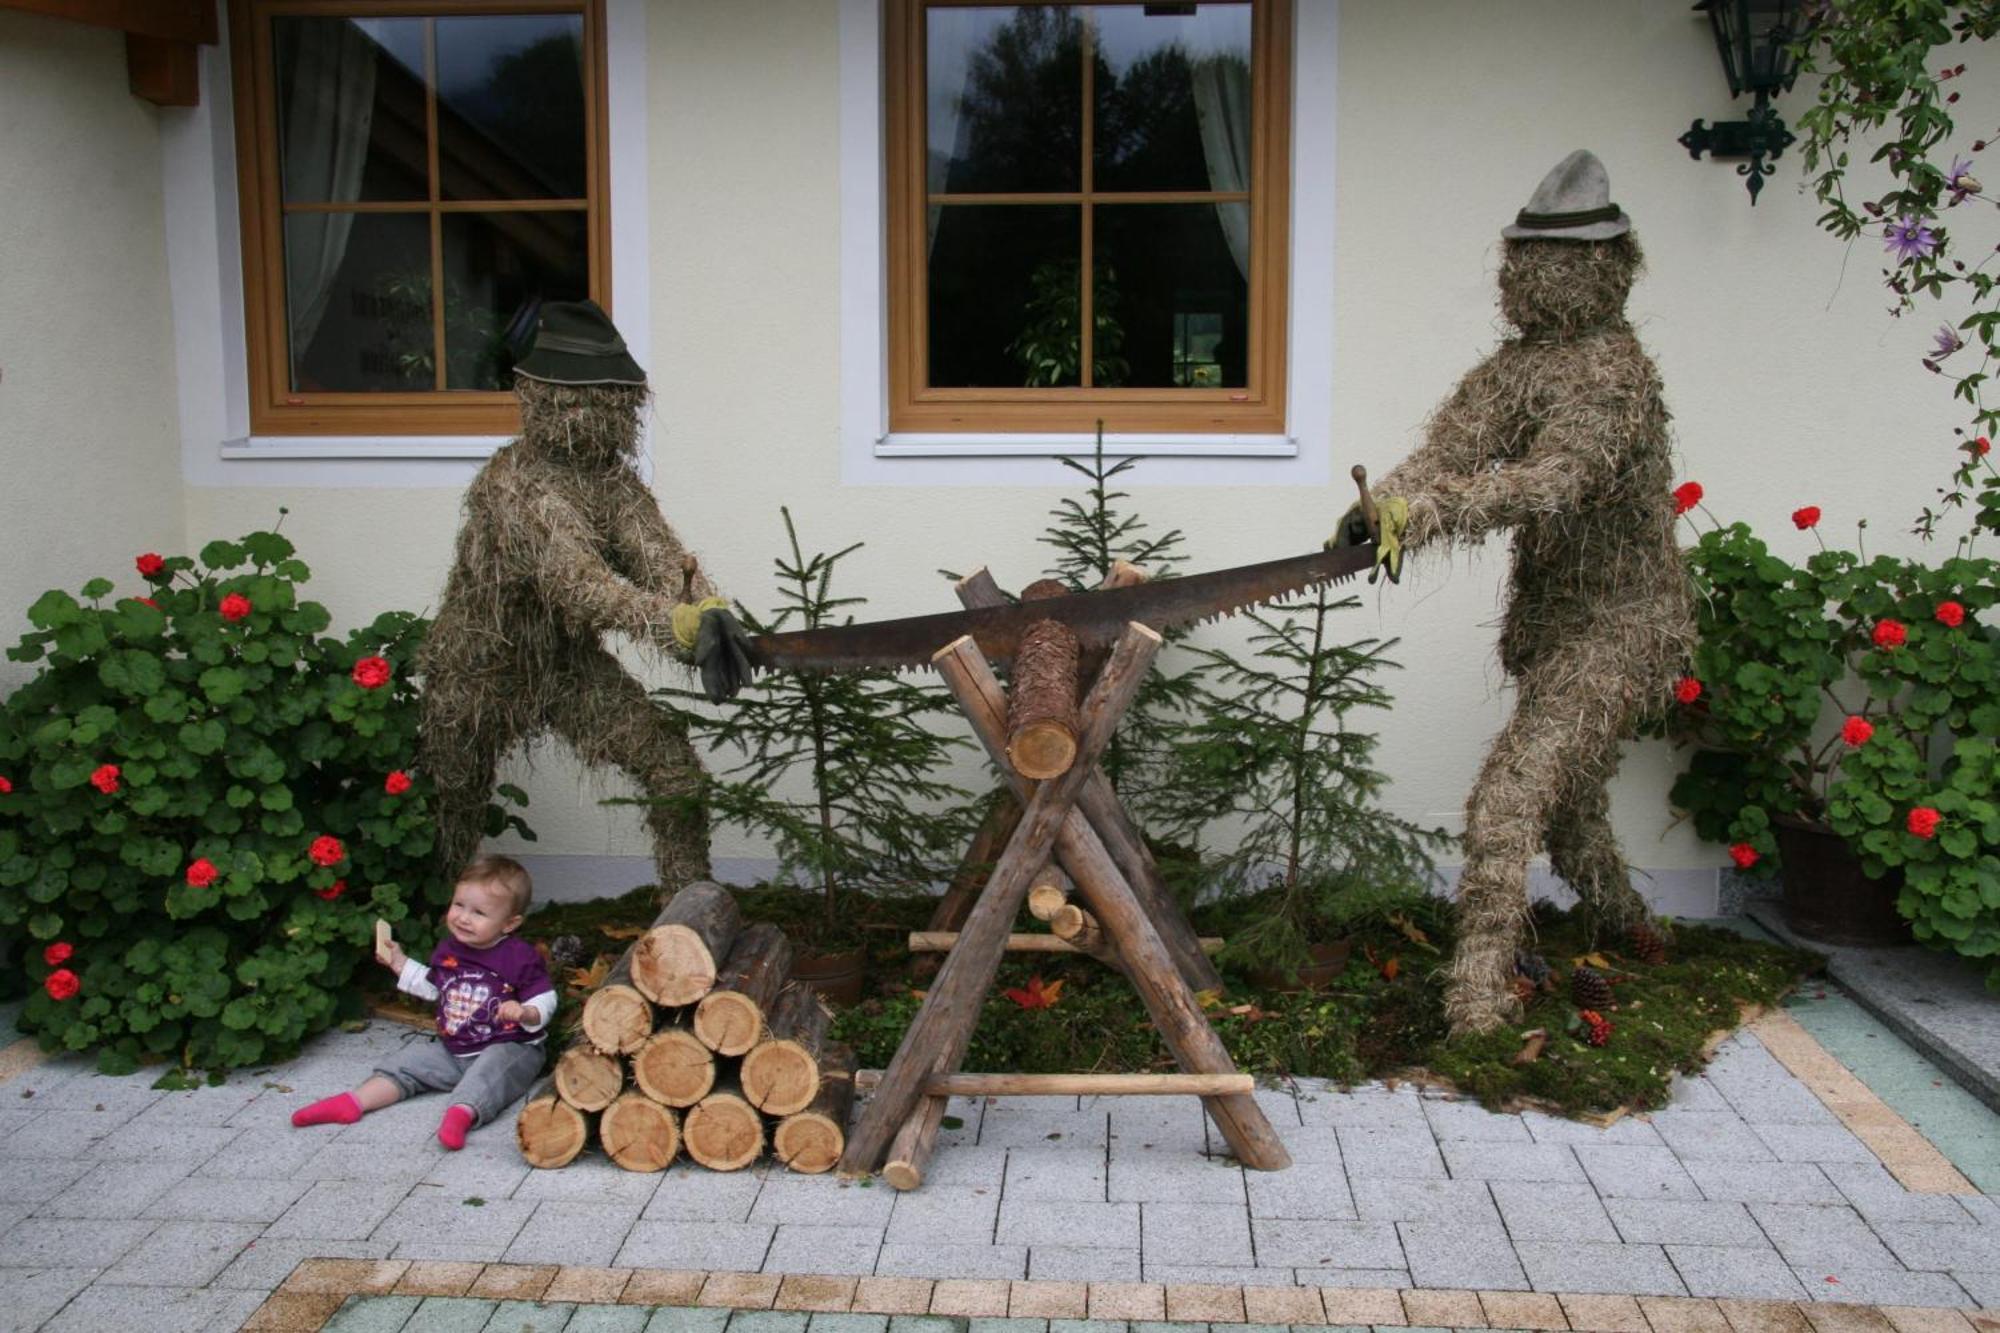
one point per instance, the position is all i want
(576, 343)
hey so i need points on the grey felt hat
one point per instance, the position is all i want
(575, 343)
(1573, 203)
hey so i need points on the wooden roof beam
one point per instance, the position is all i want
(162, 40)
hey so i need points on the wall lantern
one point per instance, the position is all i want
(1755, 38)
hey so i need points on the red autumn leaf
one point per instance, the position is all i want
(1036, 996)
(1391, 968)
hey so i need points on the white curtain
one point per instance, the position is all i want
(946, 125)
(325, 149)
(1222, 106)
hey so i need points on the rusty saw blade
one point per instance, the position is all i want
(1097, 617)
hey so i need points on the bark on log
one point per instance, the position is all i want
(676, 961)
(1161, 984)
(1115, 828)
(937, 1037)
(730, 1018)
(811, 1140)
(723, 1132)
(674, 1068)
(550, 1131)
(910, 1154)
(1049, 893)
(942, 941)
(1041, 710)
(1070, 1085)
(781, 1074)
(638, 1133)
(587, 1078)
(994, 829)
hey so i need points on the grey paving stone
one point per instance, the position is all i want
(34, 1086)
(1879, 1197)
(849, 1249)
(349, 1160)
(879, 1323)
(974, 1326)
(1403, 1152)
(64, 1135)
(1469, 1120)
(1065, 1222)
(1696, 1094)
(445, 1227)
(1475, 1258)
(1365, 1107)
(373, 1314)
(607, 1319)
(268, 1154)
(1763, 1097)
(825, 1200)
(34, 1295)
(1289, 1243)
(119, 1096)
(33, 1182)
(201, 1199)
(488, 1175)
(1590, 1266)
(183, 1254)
(1194, 1233)
(453, 1314)
(1985, 1209)
(1883, 1286)
(561, 1232)
(1038, 1122)
(1156, 1126)
(1829, 1237)
(212, 1107)
(1626, 1129)
(694, 1319)
(769, 1321)
(1056, 1174)
(1473, 1159)
(1635, 1171)
(268, 1261)
(70, 1242)
(968, 1165)
(1308, 1143)
(1352, 1277)
(1219, 1275)
(117, 1189)
(945, 1214)
(155, 1309)
(1076, 1263)
(193, 1144)
(920, 1260)
(688, 1193)
(1983, 1287)
(1684, 1222)
(1764, 1182)
(1736, 1272)
(588, 1180)
(1467, 1201)
(1814, 1143)
(1710, 1136)
(732, 1247)
(339, 1209)
(1544, 1210)
(1180, 1178)
(530, 1317)
(1280, 1100)
(1927, 1246)
(1304, 1189)
(922, 1323)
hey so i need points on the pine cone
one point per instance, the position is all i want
(1533, 967)
(565, 951)
(1648, 944)
(1589, 988)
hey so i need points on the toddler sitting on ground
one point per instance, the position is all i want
(494, 1002)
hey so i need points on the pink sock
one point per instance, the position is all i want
(451, 1129)
(343, 1109)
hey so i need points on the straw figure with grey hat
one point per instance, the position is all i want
(1560, 437)
(562, 543)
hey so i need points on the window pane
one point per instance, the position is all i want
(510, 107)
(1172, 97)
(358, 301)
(495, 264)
(1004, 99)
(1003, 295)
(350, 109)
(1180, 302)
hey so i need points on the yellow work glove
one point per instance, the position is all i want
(1392, 518)
(687, 621)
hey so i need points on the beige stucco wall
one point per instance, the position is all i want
(90, 471)
(1788, 382)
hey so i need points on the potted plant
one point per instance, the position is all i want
(1844, 714)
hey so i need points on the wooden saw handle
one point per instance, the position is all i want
(1368, 514)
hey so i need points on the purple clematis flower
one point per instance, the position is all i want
(1960, 180)
(1948, 342)
(1910, 239)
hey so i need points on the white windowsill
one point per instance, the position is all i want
(271, 447)
(910, 444)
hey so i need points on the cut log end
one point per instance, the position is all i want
(723, 1133)
(780, 1077)
(673, 966)
(617, 1019)
(639, 1134)
(1043, 750)
(674, 1068)
(808, 1143)
(903, 1175)
(588, 1079)
(551, 1132)
(728, 1023)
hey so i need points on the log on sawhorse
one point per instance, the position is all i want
(902, 1118)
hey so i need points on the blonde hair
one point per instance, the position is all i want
(504, 871)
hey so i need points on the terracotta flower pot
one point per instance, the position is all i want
(1828, 897)
(836, 976)
(1324, 963)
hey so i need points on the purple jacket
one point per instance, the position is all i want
(470, 985)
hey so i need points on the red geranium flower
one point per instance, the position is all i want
(371, 673)
(1805, 518)
(333, 890)
(1890, 634)
(1857, 730)
(1686, 496)
(201, 872)
(1744, 855)
(1950, 613)
(6, 787)
(150, 565)
(61, 984)
(1923, 821)
(105, 778)
(1687, 689)
(396, 783)
(1981, 447)
(326, 851)
(58, 953)
(148, 601)
(234, 607)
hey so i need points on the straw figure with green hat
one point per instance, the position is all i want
(1559, 436)
(563, 543)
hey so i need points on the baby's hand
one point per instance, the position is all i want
(511, 1011)
(392, 957)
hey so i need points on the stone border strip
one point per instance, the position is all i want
(317, 1288)
(18, 1057)
(1910, 1157)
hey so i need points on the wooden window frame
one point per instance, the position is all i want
(274, 408)
(1256, 408)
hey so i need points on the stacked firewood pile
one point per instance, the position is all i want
(698, 1041)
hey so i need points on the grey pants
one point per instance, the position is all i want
(488, 1081)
